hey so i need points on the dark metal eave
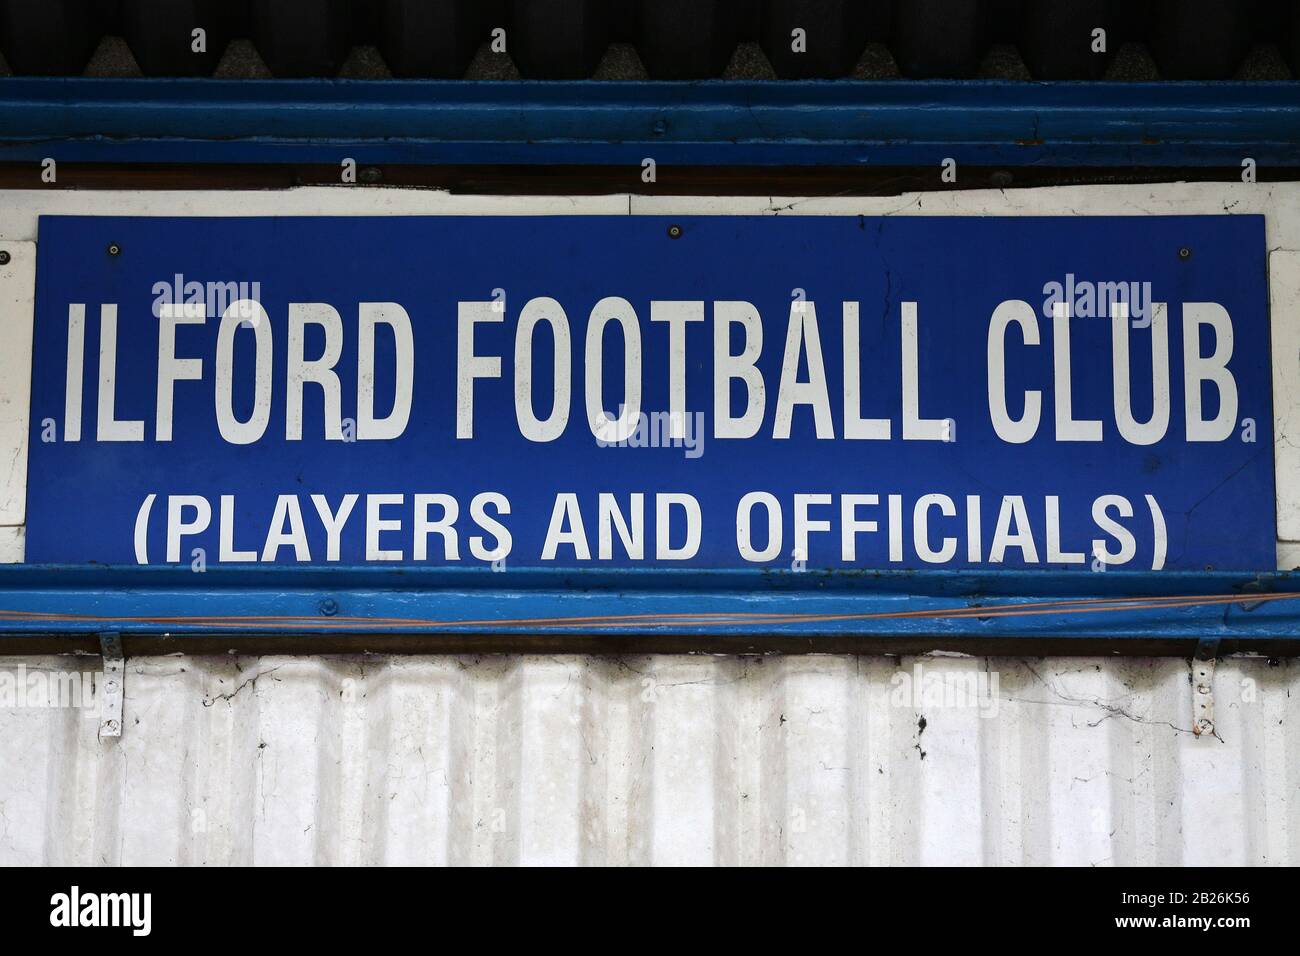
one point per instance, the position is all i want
(711, 123)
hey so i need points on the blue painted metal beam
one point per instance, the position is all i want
(271, 601)
(837, 123)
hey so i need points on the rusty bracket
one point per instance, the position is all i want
(112, 690)
(1203, 687)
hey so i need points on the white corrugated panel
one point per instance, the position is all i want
(663, 760)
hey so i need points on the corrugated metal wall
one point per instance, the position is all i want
(664, 39)
(665, 760)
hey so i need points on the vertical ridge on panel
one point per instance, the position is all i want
(157, 792)
(948, 759)
(296, 760)
(17, 303)
(818, 761)
(682, 829)
(221, 808)
(1212, 774)
(551, 748)
(410, 746)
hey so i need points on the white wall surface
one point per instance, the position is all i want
(17, 284)
(660, 760)
(686, 760)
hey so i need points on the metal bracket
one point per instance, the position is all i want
(1252, 587)
(111, 693)
(1203, 687)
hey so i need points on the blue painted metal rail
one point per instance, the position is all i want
(1117, 605)
(835, 123)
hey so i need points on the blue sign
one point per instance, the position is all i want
(726, 392)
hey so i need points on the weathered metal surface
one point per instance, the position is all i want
(861, 606)
(707, 123)
(686, 760)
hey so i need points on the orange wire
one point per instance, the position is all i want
(701, 619)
